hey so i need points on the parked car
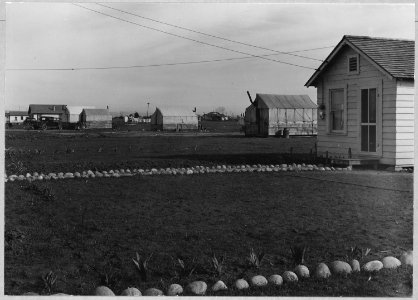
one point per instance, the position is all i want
(43, 123)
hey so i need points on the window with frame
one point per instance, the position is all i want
(336, 113)
(353, 64)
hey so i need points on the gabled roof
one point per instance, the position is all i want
(17, 113)
(96, 111)
(47, 108)
(176, 112)
(284, 101)
(76, 110)
(393, 57)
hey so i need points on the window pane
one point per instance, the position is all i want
(364, 138)
(372, 106)
(372, 138)
(337, 99)
(364, 106)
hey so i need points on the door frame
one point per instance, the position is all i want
(379, 118)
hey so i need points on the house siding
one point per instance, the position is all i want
(337, 76)
(404, 133)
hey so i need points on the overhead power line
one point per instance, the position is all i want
(207, 34)
(194, 40)
(150, 65)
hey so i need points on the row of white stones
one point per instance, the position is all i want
(301, 271)
(174, 171)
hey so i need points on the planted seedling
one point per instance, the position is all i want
(49, 280)
(255, 258)
(218, 264)
(142, 266)
(298, 254)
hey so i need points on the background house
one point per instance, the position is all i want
(16, 117)
(365, 90)
(46, 110)
(96, 118)
(271, 114)
(174, 119)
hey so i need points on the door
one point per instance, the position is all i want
(368, 125)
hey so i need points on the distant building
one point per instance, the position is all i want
(366, 94)
(46, 110)
(173, 119)
(72, 113)
(214, 116)
(96, 118)
(16, 117)
(272, 114)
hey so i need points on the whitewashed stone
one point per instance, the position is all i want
(302, 271)
(340, 267)
(189, 172)
(289, 276)
(174, 289)
(21, 177)
(219, 286)
(241, 284)
(390, 262)
(153, 292)
(258, 280)
(30, 294)
(407, 258)
(283, 166)
(373, 266)
(355, 265)
(68, 175)
(131, 291)
(275, 279)
(322, 271)
(103, 291)
(327, 169)
(197, 287)
(60, 294)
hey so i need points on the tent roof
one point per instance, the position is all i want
(284, 101)
(176, 112)
(96, 111)
(76, 110)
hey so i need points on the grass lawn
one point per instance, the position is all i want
(83, 230)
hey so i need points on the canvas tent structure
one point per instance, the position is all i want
(366, 92)
(270, 115)
(95, 118)
(46, 110)
(72, 113)
(174, 119)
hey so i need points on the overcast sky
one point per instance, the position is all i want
(62, 35)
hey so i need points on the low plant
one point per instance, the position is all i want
(255, 259)
(183, 268)
(142, 266)
(298, 254)
(49, 280)
(218, 264)
(357, 253)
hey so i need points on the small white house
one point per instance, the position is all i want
(16, 117)
(365, 96)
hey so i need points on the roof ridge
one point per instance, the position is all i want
(377, 38)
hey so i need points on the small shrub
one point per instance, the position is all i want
(298, 254)
(184, 268)
(218, 264)
(357, 253)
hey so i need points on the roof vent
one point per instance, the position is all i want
(353, 64)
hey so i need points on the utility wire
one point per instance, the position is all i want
(144, 66)
(210, 35)
(190, 39)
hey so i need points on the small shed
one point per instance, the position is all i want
(96, 118)
(46, 110)
(271, 114)
(366, 92)
(174, 119)
(72, 113)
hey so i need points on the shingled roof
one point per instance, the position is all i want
(396, 57)
(46, 109)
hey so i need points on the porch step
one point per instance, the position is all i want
(356, 161)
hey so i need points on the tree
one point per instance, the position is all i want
(136, 115)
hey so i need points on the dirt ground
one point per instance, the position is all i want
(88, 231)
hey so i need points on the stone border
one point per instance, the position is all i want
(174, 171)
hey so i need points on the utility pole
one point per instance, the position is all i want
(147, 108)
